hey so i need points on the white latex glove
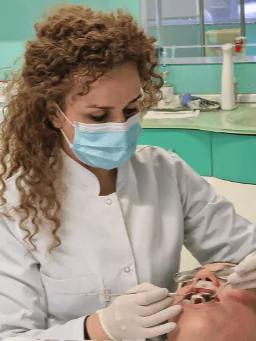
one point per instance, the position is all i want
(141, 314)
(244, 276)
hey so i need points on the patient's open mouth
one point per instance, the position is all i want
(202, 297)
(204, 292)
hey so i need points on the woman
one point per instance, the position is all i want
(86, 219)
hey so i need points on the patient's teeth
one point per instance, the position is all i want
(186, 302)
(196, 299)
(204, 284)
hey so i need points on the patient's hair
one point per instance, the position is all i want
(73, 45)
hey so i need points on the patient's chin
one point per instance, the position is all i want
(195, 327)
(232, 323)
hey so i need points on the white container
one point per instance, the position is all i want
(167, 93)
(228, 101)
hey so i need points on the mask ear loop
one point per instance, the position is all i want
(62, 113)
(142, 112)
(142, 94)
(61, 130)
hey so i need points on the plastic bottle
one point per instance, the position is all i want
(167, 88)
(240, 47)
(227, 79)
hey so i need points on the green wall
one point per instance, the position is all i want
(206, 78)
(17, 18)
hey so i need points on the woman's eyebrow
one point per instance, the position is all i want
(109, 107)
(136, 98)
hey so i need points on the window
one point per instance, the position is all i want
(198, 28)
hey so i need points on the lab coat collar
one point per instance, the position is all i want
(76, 175)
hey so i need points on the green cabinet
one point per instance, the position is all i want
(194, 146)
(234, 157)
(223, 155)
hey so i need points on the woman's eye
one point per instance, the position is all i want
(101, 118)
(131, 111)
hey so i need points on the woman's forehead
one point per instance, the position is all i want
(121, 83)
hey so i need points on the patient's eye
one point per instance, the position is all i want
(184, 284)
(186, 276)
(225, 272)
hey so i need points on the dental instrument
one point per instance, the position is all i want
(174, 294)
(170, 294)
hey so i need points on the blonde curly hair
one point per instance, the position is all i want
(72, 43)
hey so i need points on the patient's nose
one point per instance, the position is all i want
(207, 275)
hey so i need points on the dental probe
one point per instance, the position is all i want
(174, 294)
(170, 294)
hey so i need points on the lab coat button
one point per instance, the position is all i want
(127, 269)
(108, 201)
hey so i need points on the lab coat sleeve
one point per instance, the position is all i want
(23, 307)
(212, 229)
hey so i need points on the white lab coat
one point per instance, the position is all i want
(113, 242)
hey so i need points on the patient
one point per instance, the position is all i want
(231, 315)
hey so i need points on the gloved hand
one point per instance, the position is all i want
(142, 312)
(244, 276)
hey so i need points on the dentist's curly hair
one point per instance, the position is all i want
(73, 45)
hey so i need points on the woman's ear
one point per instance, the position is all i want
(57, 117)
(57, 121)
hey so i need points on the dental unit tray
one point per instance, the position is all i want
(204, 104)
(189, 102)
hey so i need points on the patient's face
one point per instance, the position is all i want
(229, 316)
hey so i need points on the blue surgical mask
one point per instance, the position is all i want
(105, 145)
